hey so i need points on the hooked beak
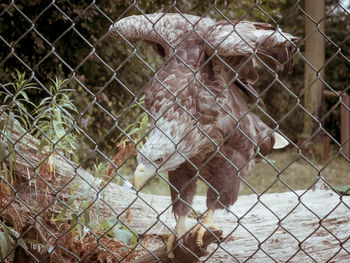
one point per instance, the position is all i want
(280, 141)
(142, 174)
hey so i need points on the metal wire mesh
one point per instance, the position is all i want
(53, 209)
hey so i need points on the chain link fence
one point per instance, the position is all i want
(74, 116)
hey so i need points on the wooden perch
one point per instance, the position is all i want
(182, 255)
(292, 226)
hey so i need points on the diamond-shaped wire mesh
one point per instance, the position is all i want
(191, 97)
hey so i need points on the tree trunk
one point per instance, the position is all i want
(315, 58)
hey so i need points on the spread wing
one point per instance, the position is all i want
(164, 29)
(246, 43)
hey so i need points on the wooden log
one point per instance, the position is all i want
(296, 226)
(182, 251)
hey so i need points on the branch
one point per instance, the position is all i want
(182, 251)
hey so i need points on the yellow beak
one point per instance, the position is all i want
(142, 174)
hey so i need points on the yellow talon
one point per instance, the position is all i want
(208, 222)
(180, 230)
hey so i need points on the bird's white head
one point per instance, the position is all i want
(165, 150)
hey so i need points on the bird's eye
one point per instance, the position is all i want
(160, 50)
(159, 161)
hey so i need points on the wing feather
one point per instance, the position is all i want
(164, 29)
(253, 40)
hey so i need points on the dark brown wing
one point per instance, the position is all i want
(246, 43)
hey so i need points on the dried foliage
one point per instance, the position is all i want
(125, 151)
(33, 222)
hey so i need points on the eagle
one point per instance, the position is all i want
(201, 127)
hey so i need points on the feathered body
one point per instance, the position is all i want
(195, 110)
(201, 126)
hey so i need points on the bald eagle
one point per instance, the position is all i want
(201, 126)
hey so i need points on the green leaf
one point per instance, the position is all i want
(345, 190)
(65, 97)
(97, 208)
(3, 152)
(86, 217)
(69, 203)
(143, 127)
(127, 129)
(3, 124)
(24, 95)
(5, 245)
(7, 97)
(73, 144)
(123, 235)
(46, 112)
(44, 101)
(7, 238)
(30, 86)
(58, 128)
(24, 122)
(86, 214)
(133, 131)
(70, 106)
(74, 189)
(57, 114)
(11, 120)
(105, 225)
(120, 232)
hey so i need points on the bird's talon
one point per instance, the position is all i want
(179, 230)
(171, 255)
(170, 245)
(200, 230)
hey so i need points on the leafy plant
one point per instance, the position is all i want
(119, 231)
(80, 224)
(99, 170)
(14, 111)
(57, 129)
(15, 104)
(137, 129)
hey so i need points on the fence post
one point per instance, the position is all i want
(345, 125)
(314, 64)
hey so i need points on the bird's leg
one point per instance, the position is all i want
(180, 230)
(200, 228)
